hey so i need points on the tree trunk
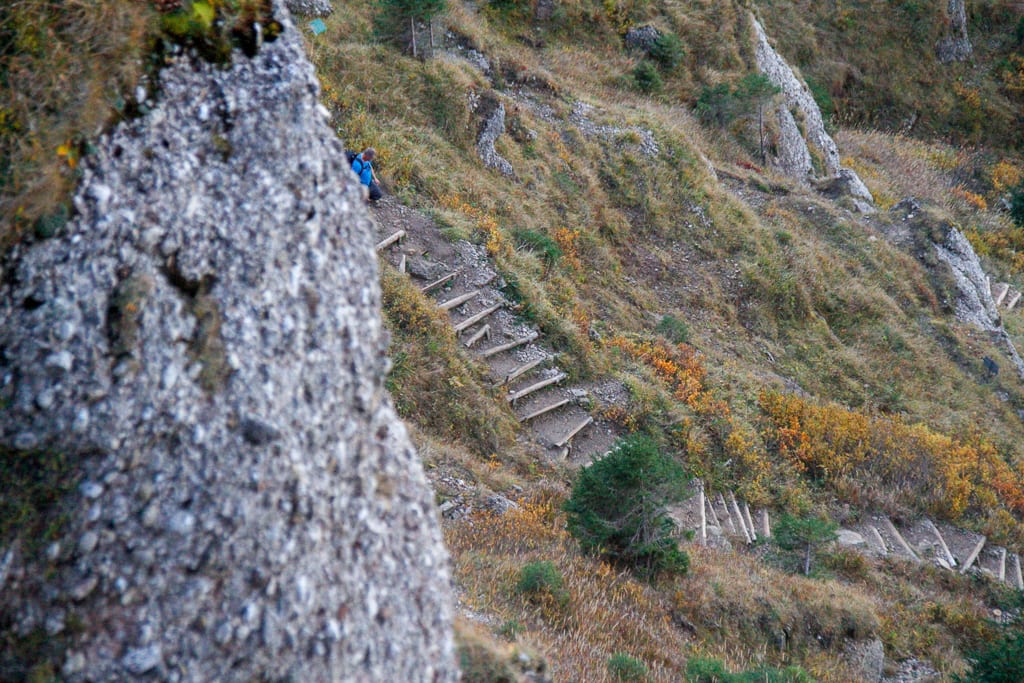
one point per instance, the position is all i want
(412, 32)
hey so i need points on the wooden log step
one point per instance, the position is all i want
(739, 517)
(401, 264)
(1018, 578)
(523, 369)
(766, 526)
(728, 515)
(973, 556)
(484, 331)
(545, 409)
(750, 521)
(459, 300)
(574, 431)
(387, 242)
(510, 345)
(891, 528)
(879, 540)
(942, 542)
(1002, 564)
(999, 291)
(516, 395)
(1012, 300)
(703, 538)
(474, 319)
(440, 281)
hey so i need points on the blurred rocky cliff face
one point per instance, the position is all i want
(203, 343)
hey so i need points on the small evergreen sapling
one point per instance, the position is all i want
(618, 507)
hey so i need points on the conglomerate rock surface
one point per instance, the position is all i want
(203, 341)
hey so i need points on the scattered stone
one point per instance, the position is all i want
(499, 504)
(82, 589)
(848, 538)
(257, 432)
(642, 38)
(141, 660)
(956, 46)
(88, 542)
(310, 8)
(867, 657)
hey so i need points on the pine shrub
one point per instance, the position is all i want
(618, 507)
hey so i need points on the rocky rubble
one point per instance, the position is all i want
(203, 342)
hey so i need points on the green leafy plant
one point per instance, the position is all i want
(541, 581)
(1017, 205)
(540, 243)
(618, 507)
(707, 670)
(998, 661)
(622, 667)
(647, 78)
(667, 51)
(674, 329)
(804, 535)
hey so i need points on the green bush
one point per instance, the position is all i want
(541, 581)
(647, 78)
(723, 103)
(706, 670)
(1017, 205)
(998, 661)
(667, 51)
(803, 535)
(618, 507)
(539, 243)
(674, 329)
(622, 667)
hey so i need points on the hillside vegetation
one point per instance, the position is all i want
(655, 249)
(769, 339)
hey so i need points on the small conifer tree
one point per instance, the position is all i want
(618, 507)
(397, 19)
(804, 535)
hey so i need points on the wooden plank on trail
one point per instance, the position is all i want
(766, 527)
(387, 242)
(545, 409)
(728, 515)
(459, 300)
(750, 521)
(574, 431)
(474, 319)
(523, 369)
(516, 395)
(879, 540)
(484, 331)
(401, 264)
(440, 281)
(1016, 572)
(891, 528)
(703, 515)
(999, 292)
(711, 511)
(942, 542)
(1002, 564)
(1012, 301)
(739, 516)
(511, 345)
(973, 556)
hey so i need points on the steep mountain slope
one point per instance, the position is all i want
(619, 226)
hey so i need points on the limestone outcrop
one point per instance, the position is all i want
(492, 115)
(956, 45)
(203, 344)
(310, 8)
(798, 98)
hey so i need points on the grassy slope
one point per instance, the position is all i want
(777, 286)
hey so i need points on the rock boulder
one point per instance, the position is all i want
(203, 344)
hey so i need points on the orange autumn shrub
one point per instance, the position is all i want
(922, 468)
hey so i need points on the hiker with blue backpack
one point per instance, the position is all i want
(362, 166)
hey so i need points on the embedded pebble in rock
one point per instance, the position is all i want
(203, 343)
